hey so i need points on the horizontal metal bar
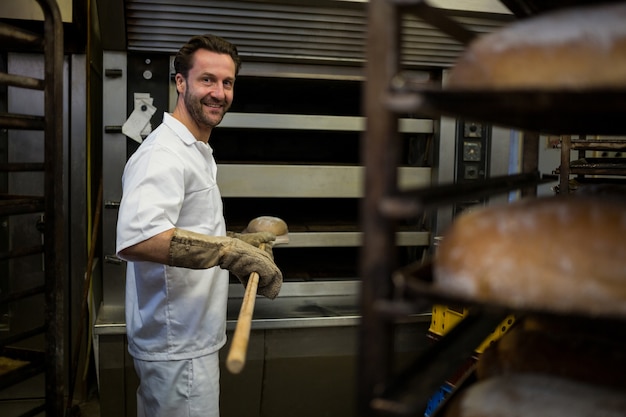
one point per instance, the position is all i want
(348, 239)
(21, 121)
(22, 336)
(22, 167)
(597, 171)
(20, 252)
(113, 129)
(437, 18)
(15, 34)
(10, 205)
(19, 295)
(36, 365)
(113, 72)
(413, 203)
(599, 145)
(481, 6)
(21, 81)
(315, 122)
(35, 411)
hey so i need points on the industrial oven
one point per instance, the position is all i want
(289, 148)
(277, 155)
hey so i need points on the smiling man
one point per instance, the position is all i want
(172, 232)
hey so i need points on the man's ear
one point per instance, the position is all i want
(180, 83)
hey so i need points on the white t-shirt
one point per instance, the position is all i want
(170, 181)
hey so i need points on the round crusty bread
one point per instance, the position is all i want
(560, 254)
(525, 395)
(577, 48)
(271, 224)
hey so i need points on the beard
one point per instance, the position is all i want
(197, 110)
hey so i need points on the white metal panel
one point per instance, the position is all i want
(114, 113)
(315, 122)
(306, 181)
(349, 239)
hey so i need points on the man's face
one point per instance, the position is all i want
(209, 87)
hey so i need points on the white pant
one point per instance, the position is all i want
(183, 388)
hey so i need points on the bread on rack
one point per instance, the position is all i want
(575, 48)
(563, 254)
(524, 395)
(585, 351)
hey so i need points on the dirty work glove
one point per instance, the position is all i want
(256, 239)
(197, 251)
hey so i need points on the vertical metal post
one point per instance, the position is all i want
(530, 158)
(54, 207)
(564, 169)
(380, 150)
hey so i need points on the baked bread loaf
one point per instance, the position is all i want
(583, 355)
(274, 225)
(562, 254)
(577, 48)
(537, 396)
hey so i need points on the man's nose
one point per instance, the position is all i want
(218, 91)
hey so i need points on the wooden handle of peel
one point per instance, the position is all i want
(239, 347)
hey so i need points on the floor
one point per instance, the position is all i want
(21, 398)
(89, 408)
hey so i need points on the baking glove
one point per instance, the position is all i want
(197, 251)
(256, 239)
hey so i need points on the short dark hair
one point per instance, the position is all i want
(184, 58)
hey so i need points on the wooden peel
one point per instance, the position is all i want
(239, 346)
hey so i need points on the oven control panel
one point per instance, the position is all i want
(472, 155)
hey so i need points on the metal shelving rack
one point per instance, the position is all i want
(390, 291)
(49, 359)
(584, 168)
(384, 390)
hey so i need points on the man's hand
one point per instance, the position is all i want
(197, 251)
(256, 239)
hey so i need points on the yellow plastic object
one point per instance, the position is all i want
(445, 318)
